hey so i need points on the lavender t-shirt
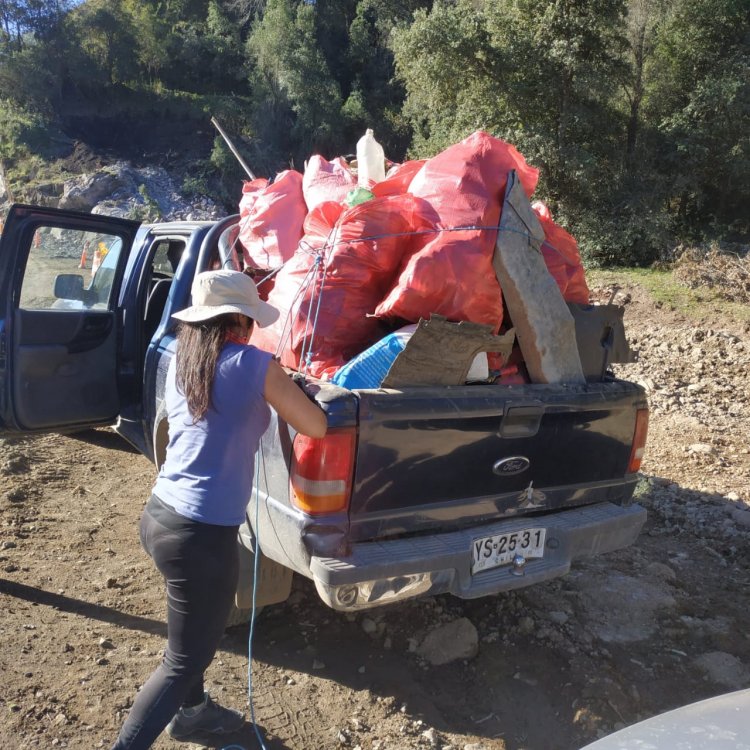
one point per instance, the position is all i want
(208, 473)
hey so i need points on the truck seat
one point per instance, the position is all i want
(155, 303)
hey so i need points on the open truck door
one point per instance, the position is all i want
(60, 279)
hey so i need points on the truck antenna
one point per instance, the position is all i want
(233, 148)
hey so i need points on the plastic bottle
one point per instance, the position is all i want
(370, 160)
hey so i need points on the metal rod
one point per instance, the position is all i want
(232, 148)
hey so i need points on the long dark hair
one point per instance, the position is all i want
(198, 348)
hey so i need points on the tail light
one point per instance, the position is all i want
(639, 441)
(322, 472)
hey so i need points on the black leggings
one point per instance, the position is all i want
(200, 565)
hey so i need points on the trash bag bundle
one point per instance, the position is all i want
(326, 181)
(271, 219)
(452, 274)
(560, 251)
(345, 263)
(423, 244)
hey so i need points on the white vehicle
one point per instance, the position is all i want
(721, 723)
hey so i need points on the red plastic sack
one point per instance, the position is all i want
(452, 274)
(288, 284)
(560, 252)
(398, 179)
(271, 218)
(326, 181)
(363, 247)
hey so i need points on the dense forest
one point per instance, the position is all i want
(636, 112)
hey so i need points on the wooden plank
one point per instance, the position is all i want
(544, 326)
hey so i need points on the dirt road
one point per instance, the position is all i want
(619, 639)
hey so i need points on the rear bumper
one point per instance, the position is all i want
(376, 573)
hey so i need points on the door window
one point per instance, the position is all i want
(167, 257)
(69, 269)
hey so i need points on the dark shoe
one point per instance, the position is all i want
(209, 718)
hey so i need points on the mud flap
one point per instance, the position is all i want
(274, 580)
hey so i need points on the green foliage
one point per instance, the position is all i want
(292, 82)
(703, 113)
(634, 150)
(105, 36)
(636, 112)
(195, 186)
(149, 210)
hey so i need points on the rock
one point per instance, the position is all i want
(431, 736)
(318, 664)
(16, 495)
(621, 608)
(558, 617)
(369, 626)
(723, 669)
(455, 640)
(105, 643)
(16, 465)
(704, 448)
(660, 570)
(84, 192)
(526, 625)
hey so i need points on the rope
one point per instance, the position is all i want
(304, 286)
(259, 455)
(306, 356)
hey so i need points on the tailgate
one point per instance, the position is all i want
(450, 457)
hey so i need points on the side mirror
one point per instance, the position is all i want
(69, 286)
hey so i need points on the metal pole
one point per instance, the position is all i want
(232, 148)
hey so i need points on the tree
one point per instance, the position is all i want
(373, 96)
(643, 20)
(152, 41)
(106, 36)
(539, 75)
(701, 104)
(38, 18)
(292, 82)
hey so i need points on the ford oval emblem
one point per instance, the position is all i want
(507, 467)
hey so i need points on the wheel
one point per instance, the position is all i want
(240, 616)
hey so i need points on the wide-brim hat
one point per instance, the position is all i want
(220, 292)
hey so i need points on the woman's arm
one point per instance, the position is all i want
(291, 404)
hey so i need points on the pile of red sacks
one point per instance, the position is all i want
(423, 244)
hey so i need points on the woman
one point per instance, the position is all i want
(218, 393)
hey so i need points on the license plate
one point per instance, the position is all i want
(492, 551)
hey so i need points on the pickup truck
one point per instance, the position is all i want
(471, 490)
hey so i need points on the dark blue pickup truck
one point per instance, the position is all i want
(471, 490)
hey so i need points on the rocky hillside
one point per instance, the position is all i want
(123, 190)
